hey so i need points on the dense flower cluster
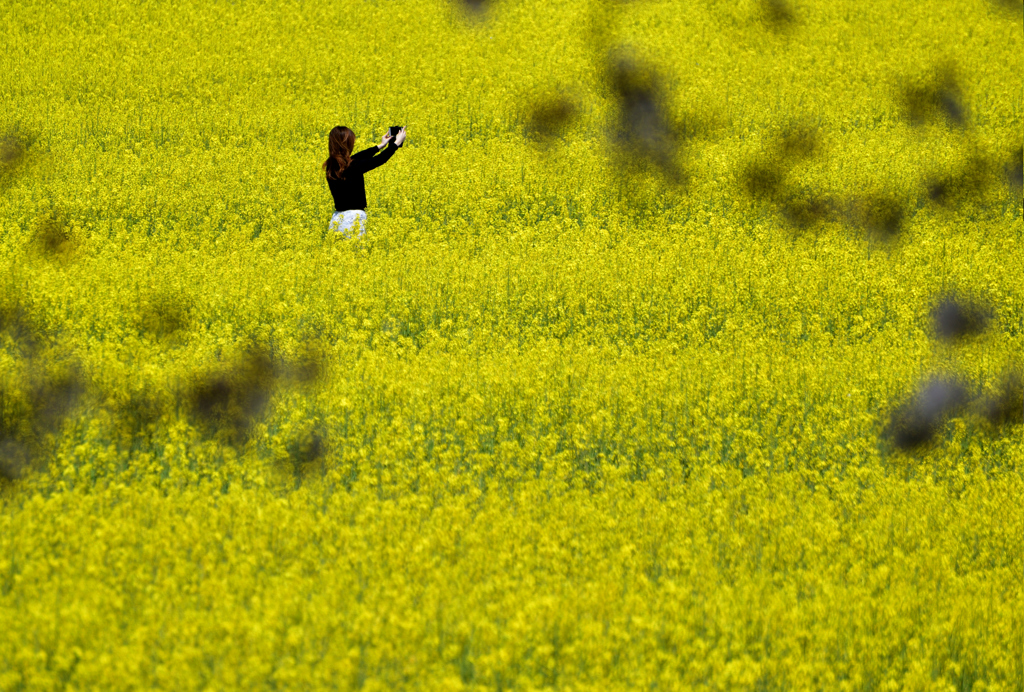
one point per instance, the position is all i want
(683, 350)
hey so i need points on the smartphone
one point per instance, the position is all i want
(393, 130)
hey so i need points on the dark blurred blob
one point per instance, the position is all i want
(955, 317)
(310, 448)
(1014, 170)
(777, 15)
(53, 236)
(14, 458)
(13, 156)
(16, 427)
(229, 401)
(475, 8)
(936, 98)
(970, 180)
(806, 212)
(12, 151)
(644, 133)
(16, 330)
(54, 397)
(306, 453)
(882, 216)
(917, 422)
(1006, 406)
(766, 176)
(549, 119)
(164, 315)
(31, 410)
(1013, 8)
(764, 179)
(767, 179)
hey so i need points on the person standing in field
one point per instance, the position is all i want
(345, 172)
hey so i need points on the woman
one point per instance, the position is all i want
(345, 175)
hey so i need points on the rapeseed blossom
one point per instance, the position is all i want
(613, 394)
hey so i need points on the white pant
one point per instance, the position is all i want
(343, 221)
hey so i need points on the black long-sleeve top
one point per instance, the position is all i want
(350, 193)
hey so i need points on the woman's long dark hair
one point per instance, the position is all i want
(339, 147)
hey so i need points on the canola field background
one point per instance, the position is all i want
(588, 408)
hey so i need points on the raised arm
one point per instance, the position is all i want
(364, 154)
(368, 164)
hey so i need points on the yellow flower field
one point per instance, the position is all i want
(683, 350)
